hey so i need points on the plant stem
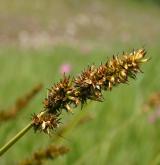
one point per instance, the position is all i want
(15, 139)
(18, 136)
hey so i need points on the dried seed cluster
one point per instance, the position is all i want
(20, 103)
(45, 122)
(71, 92)
(51, 152)
(59, 96)
(153, 102)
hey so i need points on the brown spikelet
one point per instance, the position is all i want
(60, 96)
(51, 152)
(45, 122)
(153, 102)
(20, 103)
(87, 85)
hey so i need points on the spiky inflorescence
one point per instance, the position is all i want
(51, 152)
(20, 103)
(90, 84)
(153, 102)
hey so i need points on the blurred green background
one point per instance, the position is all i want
(38, 39)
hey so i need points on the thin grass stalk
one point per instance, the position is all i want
(20, 134)
(15, 139)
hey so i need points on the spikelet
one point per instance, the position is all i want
(51, 152)
(88, 85)
(60, 96)
(45, 122)
(20, 103)
(153, 102)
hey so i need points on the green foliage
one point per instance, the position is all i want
(120, 132)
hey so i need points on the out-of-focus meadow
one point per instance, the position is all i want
(41, 39)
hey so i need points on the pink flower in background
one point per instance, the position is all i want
(65, 68)
(152, 119)
(158, 112)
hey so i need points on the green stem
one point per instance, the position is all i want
(15, 139)
(18, 136)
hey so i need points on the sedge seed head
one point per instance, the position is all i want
(70, 92)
